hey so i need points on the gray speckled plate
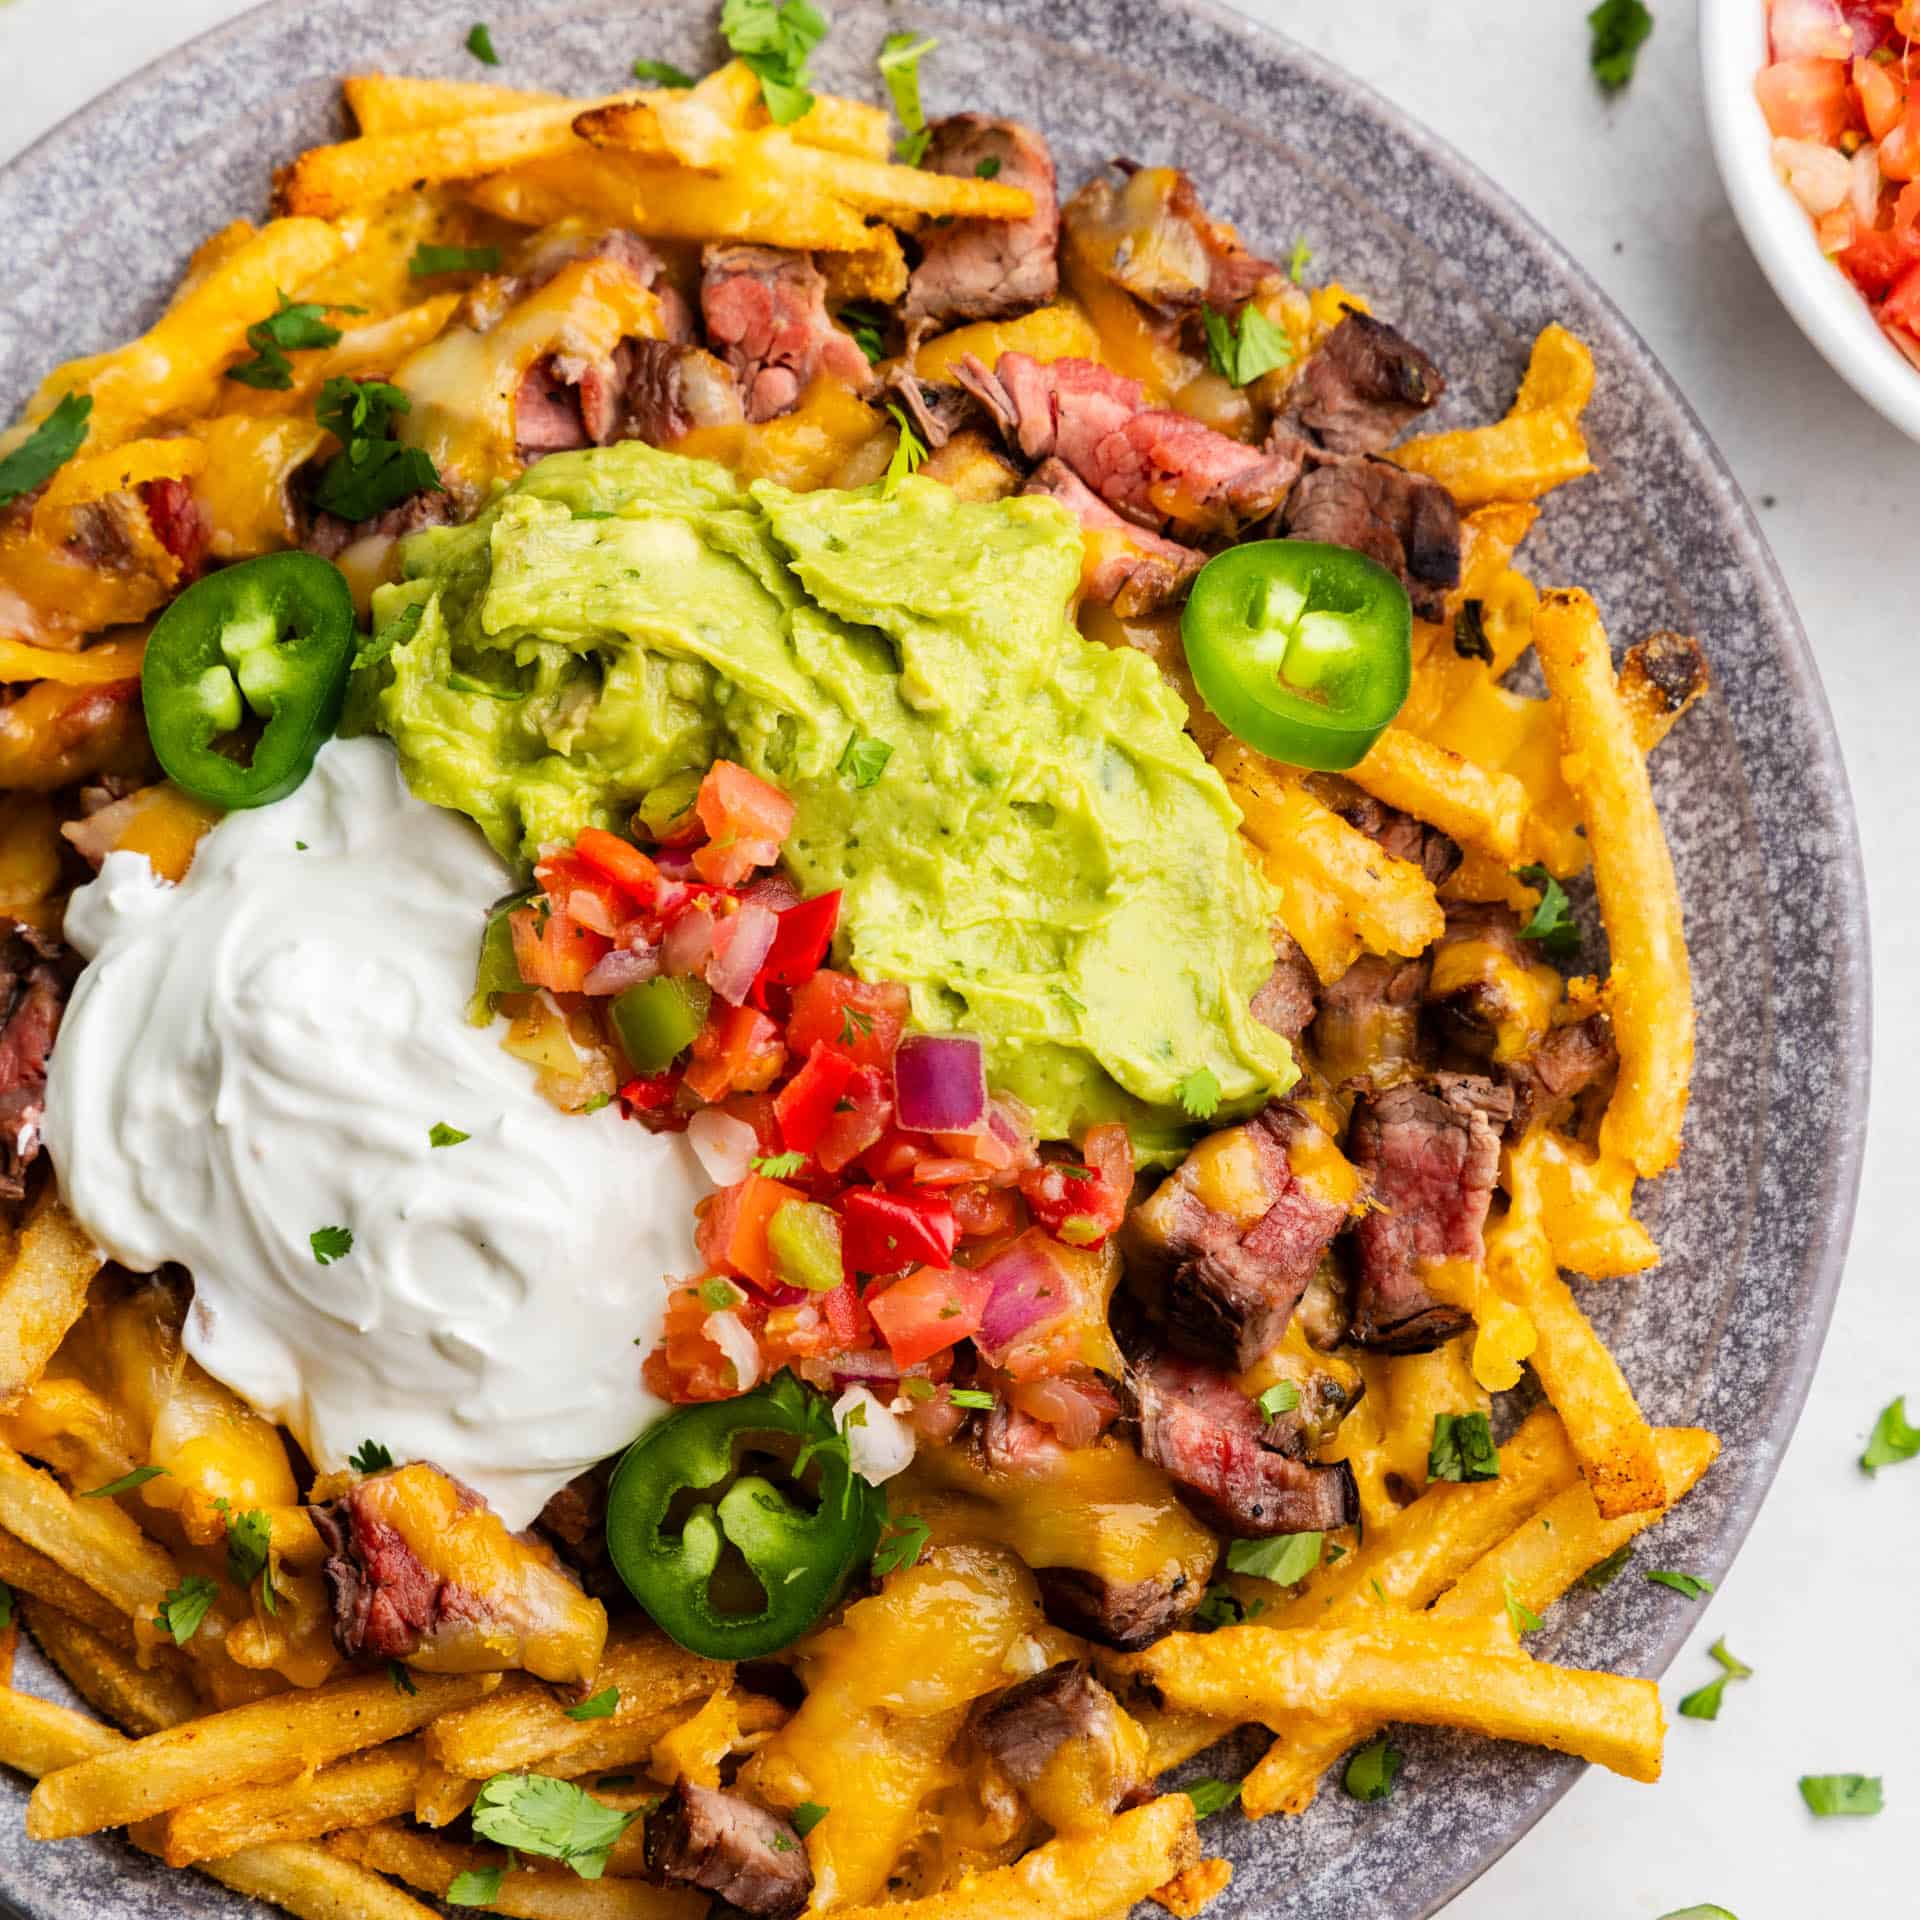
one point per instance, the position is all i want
(101, 215)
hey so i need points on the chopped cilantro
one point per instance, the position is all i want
(774, 41)
(597, 1706)
(46, 449)
(868, 328)
(1688, 1586)
(1199, 1093)
(718, 1295)
(396, 633)
(863, 763)
(249, 1541)
(184, 1607)
(475, 1887)
(1620, 27)
(900, 56)
(806, 1816)
(971, 1397)
(1372, 1771)
(480, 44)
(442, 1135)
(1211, 1796)
(1284, 1559)
(1524, 1619)
(289, 328)
(1298, 260)
(401, 1678)
(906, 1540)
(330, 1244)
(1894, 1438)
(778, 1166)
(1704, 1702)
(1462, 1448)
(125, 1484)
(1282, 1397)
(661, 73)
(907, 455)
(427, 261)
(372, 1457)
(534, 1813)
(987, 169)
(1242, 353)
(1605, 1572)
(1827, 1794)
(1552, 922)
(372, 471)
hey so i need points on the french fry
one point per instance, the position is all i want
(432, 1864)
(1649, 991)
(1478, 806)
(378, 1784)
(96, 666)
(1087, 1877)
(1191, 1891)
(695, 1748)
(1587, 1209)
(523, 1725)
(91, 1540)
(1273, 1675)
(1660, 679)
(395, 103)
(1536, 448)
(834, 124)
(139, 1700)
(268, 1740)
(1060, 331)
(42, 1291)
(37, 1737)
(876, 272)
(26, 1570)
(440, 1797)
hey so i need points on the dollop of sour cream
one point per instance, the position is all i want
(264, 1051)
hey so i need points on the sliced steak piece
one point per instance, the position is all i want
(1064, 1715)
(1547, 1081)
(560, 246)
(1228, 1460)
(1403, 520)
(35, 972)
(1363, 387)
(937, 411)
(178, 523)
(731, 1848)
(568, 401)
(987, 269)
(672, 388)
(1289, 1000)
(1151, 235)
(1485, 996)
(1127, 568)
(1434, 1154)
(1408, 839)
(1367, 1031)
(1220, 1254)
(329, 536)
(1123, 1615)
(766, 315)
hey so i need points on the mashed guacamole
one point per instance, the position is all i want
(1024, 833)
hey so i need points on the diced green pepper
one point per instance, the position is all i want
(657, 1022)
(665, 809)
(804, 1239)
(498, 971)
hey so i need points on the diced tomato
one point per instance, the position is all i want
(621, 862)
(552, 949)
(1882, 98)
(1082, 1205)
(576, 887)
(821, 1323)
(1902, 305)
(860, 1117)
(689, 1365)
(1806, 99)
(1900, 149)
(806, 1104)
(800, 945)
(983, 1212)
(1835, 230)
(860, 1018)
(738, 1051)
(928, 1310)
(648, 1092)
(1906, 210)
(892, 1158)
(952, 1172)
(885, 1232)
(732, 1229)
(1813, 29)
(746, 820)
(1876, 260)
(757, 1110)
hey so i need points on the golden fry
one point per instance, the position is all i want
(42, 1291)
(1191, 1891)
(138, 1699)
(1587, 1209)
(1649, 991)
(395, 103)
(1660, 679)
(1478, 806)
(26, 1570)
(90, 1539)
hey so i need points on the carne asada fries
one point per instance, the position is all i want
(966, 1234)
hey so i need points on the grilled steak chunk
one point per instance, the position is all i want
(1480, 997)
(1434, 1154)
(35, 972)
(1292, 994)
(1125, 1616)
(987, 269)
(329, 536)
(1403, 520)
(938, 412)
(387, 1605)
(1066, 1714)
(1364, 387)
(1129, 569)
(728, 1847)
(560, 246)
(1568, 1061)
(671, 388)
(178, 523)
(1220, 1254)
(1367, 1031)
(1151, 235)
(1227, 1459)
(766, 315)
(1400, 834)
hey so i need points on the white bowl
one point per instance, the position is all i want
(1827, 305)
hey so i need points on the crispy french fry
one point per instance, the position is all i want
(834, 124)
(1660, 679)
(355, 1792)
(876, 272)
(431, 1863)
(1587, 1209)
(1536, 448)
(1061, 331)
(396, 103)
(268, 1740)
(91, 1539)
(27, 1570)
(43, 1290)
(1191, 1891)
(1649, 991)
(38, 1738)
(1261, 1673)
(1088, 1877)
(139, 1700)
(1478, 806)
(695, 1748)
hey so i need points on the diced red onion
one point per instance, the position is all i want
(939, 1083)
(624, 967)
(723, 1145)
(676, 863)
(856, 1369)
(772, 890)
(688, 942)
(1028, 1288)
(740, 947)
(1076, 1412)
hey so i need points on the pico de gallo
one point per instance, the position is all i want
(1840, 102)
(882, 1218)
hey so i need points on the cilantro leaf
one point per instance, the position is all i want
(480, 44)
(1284, 1559)
(476, 1887)
(971, 1397)
(1605, 1572)
(1894, 1439)
(1827, 1794)
(249, 1538)
(1620, 28)
(906, 1541)
(46, 449)
(1524, 1619)
(907, 454)
(1220, 1607)
(372, 471)
(1704, 1702)
(773, 39)
(1199, 1093)
(661, 73)
(864, 762)
(1211, 1796)
(6, 1606)
(987, 169)
(396, 633)
(1462, 1448)
(184, 1607)
(1280, 1398)
(1242, 351)
(1297, 261)
(868, 328)
(718, 1295)
(401, 1678)
(900, 56)
(288, 329)
(534, 1813)
(372, 1457)
(598, 1706)
(806, 1816)
(778, 1166)
(1372, 1771)
(1688, 1586)
(330, 1244)
(427, 261)
(442, 1135)
(125, 1484)
(1470, 640)
(1552, 922)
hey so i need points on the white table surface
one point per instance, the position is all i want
(1822, 1600)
